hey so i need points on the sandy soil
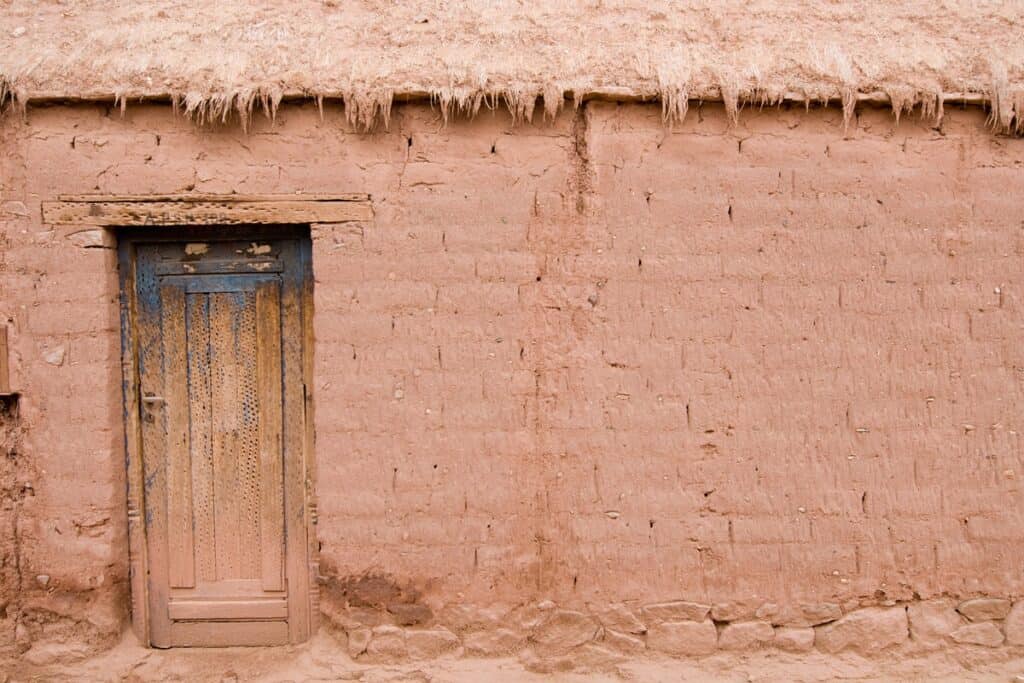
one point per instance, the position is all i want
(323, 659)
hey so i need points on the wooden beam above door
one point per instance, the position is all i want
(206, 209)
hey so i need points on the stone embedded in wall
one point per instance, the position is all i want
(686, 638)
(358, 640)
(809, 614)
(45, 653)
(472, 618)
(781, 615)
(821, 613)
(497, 643)
(410, 614)
(618, 617)
(430, 643)
(1015, 624)
(96, 238)
(794, 639)
(564, 630)
(745, 635)
(678, 610)
(623, 642)
(733, 611)
(768, 611)
(388, 643)
(867, 630)
(983, 609)
(985, 633)
(932, 621)
(529, 617)
(55, 356)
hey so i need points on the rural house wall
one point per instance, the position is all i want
(768, 366)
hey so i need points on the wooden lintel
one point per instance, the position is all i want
(223, 210)
(199, 197)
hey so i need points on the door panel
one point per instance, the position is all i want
(220, 329)
(270, 470)
(181, 553)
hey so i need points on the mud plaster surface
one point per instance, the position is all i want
(589, 360)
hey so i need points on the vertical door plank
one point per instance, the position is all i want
(297, 567)
(154, 431)
(305, 249)
(126, 253)
(180, 547)
(224, 400)
(247, 453)
(198, 321)
(268, 349)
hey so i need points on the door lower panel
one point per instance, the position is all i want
(228, 633)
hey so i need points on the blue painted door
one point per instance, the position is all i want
(220, 327)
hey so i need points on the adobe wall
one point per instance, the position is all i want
(571, 370)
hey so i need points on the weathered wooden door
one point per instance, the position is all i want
(218, 330)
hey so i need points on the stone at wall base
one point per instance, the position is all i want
(984, 609)
(982, 633)
(745, 635)
(430, 643)
(684, 638)
(792, 639)
(1015, 624)
(497, 643)
(868, 630)
(932, 621)
(678, 610)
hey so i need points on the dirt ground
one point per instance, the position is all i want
(323, 659)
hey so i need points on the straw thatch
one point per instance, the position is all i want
(219, 59)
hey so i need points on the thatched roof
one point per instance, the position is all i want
(221, 57)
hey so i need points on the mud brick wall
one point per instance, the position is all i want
(591, 360)
(11, 496)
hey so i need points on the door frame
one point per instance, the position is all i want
(298, 485)
(174, 218)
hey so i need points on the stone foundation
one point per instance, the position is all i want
(548, 637)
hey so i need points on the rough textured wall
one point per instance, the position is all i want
(592, 360)
(806, 372)
(66, 478)
(11, 494)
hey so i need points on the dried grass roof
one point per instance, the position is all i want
(218, 58)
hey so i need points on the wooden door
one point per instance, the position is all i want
(219, 329)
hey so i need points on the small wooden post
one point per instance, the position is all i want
(5, 373)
